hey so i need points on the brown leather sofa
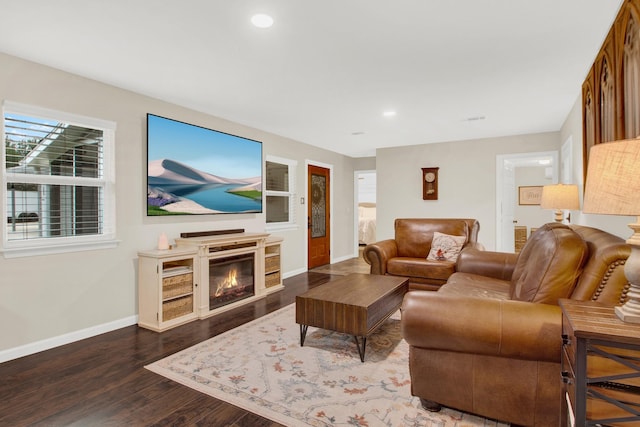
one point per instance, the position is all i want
(488, 342)
(406, 254)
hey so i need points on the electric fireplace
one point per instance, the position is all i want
(231, 279)
(231, 268)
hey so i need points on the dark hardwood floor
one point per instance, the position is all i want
(101, 381)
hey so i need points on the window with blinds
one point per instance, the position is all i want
(279, 191)
(58, 188)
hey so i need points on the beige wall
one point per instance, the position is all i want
(365, 163)
(467, 179)
(48, 300)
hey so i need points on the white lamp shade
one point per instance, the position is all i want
(613, 178)
(560, 196)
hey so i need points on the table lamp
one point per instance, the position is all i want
(558, 197)
(613, 188)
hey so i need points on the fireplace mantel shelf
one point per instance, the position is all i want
(192, 257)
(219, 240)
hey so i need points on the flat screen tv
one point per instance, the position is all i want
(192, 170)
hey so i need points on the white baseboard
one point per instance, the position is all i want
(294, 273)
(49, 343)
(344, 258)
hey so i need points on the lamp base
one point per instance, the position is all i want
(559, 215)
(630, 311)
(626, 316)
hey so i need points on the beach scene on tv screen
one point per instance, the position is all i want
(194, 170)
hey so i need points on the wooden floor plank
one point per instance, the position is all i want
(102, 380)
(192, 413)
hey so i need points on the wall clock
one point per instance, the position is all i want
(430, 183)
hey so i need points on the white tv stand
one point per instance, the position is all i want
(173, 285)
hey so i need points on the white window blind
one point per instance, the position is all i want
(58, 181)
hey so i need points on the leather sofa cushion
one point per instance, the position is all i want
(474, 285)
(420, 267)
(549, 265)
(487, 326)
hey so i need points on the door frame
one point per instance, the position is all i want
(308, 163)
(504, 161)
(356, 201)
(566, 161)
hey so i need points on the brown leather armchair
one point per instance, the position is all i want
(488, 342)
(406, 254)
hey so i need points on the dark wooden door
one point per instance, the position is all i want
(318, 237)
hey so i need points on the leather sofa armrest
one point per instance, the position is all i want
(499, 265)
(474, 245)
(377, 254)
(504, 328)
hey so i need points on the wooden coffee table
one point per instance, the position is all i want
(356, 304)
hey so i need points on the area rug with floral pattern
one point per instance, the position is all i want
(261, 367)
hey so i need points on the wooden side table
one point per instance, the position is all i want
(600, 366)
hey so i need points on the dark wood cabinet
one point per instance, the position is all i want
(600, 366)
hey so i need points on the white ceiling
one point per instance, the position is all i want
(327, 69)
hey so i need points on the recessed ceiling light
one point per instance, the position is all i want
(389, 113)
(262, 20)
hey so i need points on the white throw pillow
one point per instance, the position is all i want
(445, 247)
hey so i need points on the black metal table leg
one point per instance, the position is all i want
(303, 333)
(361, 348)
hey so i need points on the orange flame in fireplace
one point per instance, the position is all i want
(229, 282)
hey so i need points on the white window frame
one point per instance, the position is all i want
(291, 224)
(54, 245)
